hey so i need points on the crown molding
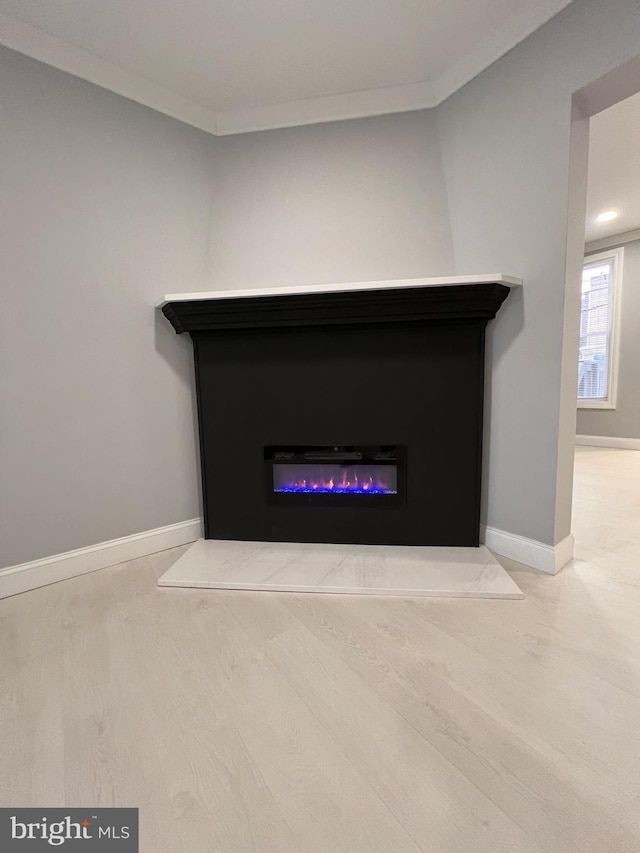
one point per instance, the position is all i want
(348, 105)
(613, 240)
(44, 47)
(504, 38)
(65, 56)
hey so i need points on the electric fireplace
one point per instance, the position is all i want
(324, 476)
(342, 415)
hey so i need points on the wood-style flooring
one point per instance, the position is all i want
(302, 723)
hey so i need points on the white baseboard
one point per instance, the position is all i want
(538, 555)
(26, 576)
(82, 561)
(609, 441)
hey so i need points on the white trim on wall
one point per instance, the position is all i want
(32, 41)
(348, 105)
(82, 561)
(512, 30)
(609, 441)
(611, 242)
(546, 558)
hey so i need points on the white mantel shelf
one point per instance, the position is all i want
(390, 284)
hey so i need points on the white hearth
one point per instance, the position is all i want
(347, 569)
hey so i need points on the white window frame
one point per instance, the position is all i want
(613, 333)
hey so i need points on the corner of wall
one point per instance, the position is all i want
(435, 111)
(574, 253)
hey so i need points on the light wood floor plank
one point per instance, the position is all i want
(246, 722)
(484, 747)
(389, 752)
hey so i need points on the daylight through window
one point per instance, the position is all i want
(596, 375)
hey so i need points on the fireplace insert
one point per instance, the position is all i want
(336, 475)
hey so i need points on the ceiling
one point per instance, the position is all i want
(614, 169)
(230, 66)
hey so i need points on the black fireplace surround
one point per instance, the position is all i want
(342, 416)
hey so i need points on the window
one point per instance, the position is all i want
(598, 358)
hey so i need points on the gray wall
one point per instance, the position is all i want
(624, 420)
(104, 206)
(505, 140)
(344, 201)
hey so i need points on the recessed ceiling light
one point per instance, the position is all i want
(607, 216)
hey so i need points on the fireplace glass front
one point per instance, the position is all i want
(336, 473)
